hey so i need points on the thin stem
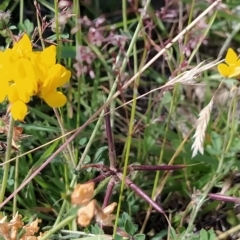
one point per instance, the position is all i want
(109, 191)
(64, 139)
(155, 168)
(15, 186)
(131, 123)
(129, 138)
(111, 146)
(21, 9)
(124, 15)
(224, 198)
(233, 105)
(78, 39)
(39, 24)
(100, 178)
(140, 192)
(57, 227)
(6, 167)
(57, 32)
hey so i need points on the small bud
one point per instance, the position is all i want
(62, 21)
(4, 19)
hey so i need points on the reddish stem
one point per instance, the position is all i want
(221, 197)
(109, 191)
(141, 193)
(100, 177)
(155, 168)
(111, 146)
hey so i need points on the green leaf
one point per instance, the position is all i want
(167, 98)
(118, 237)
(203, 235)
(44, 157)
(130, 227)
(95, 229)
(139, 236)
(212, 235)
(216, 141)
(98, 154)
(68, 52)
(4, 5)
(125, 217)
(26, 26)
(173, 233)
(160, 235)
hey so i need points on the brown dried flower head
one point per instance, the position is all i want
(82, 193)
(85, 214)
(104, 216)
(10, 230)
(32, 228)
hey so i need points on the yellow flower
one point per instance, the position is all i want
(232, 66)
(25, 74)
(57, 76)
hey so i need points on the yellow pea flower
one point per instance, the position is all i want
(25, 74)
(57, 76)
(231, 67)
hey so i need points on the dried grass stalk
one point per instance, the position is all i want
(201, 126)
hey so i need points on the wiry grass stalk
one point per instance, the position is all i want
(6, 167)
(129, 137)
(15, 185)
(59, 226)
(160, 159)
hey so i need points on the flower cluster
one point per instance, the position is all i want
(12, 230)
(82, 195)
(231, 67)
(25, 73)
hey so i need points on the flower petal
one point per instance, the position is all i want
(55, 99)
(48, 56)
(231, 57)
(17, 93)
(13, 93)
(25, 77)
(23, 47)
(224, 69)
(3, 90)
(58, 76)
(235, 72)
(18, 110)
